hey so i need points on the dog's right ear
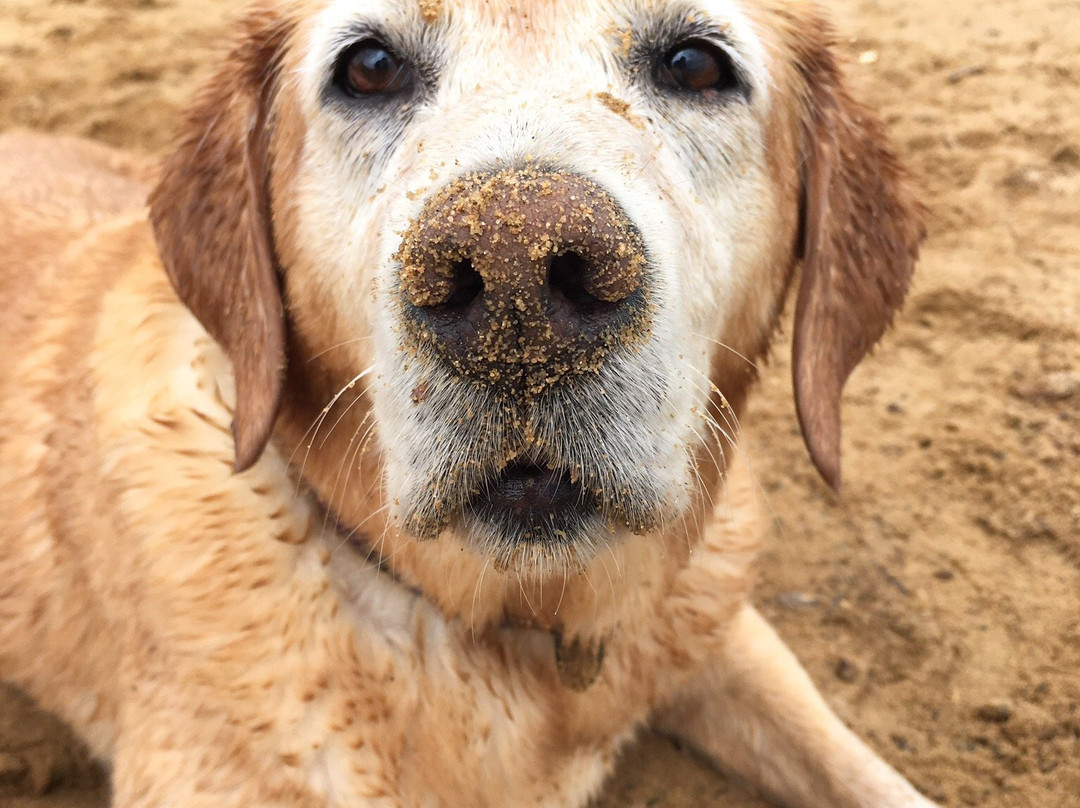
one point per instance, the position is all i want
(211, 216)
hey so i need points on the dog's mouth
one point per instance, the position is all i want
(527, 489)
(542, 488)
(529, 501)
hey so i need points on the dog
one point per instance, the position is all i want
(389, 455)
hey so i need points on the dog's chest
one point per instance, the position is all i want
(414, 708)
(376, 696)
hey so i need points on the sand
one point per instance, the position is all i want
(937, 600)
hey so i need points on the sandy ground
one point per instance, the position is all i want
(937, 601)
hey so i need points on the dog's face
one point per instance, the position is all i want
(556, 221)
(547, 240)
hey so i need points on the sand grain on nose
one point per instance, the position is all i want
(524, 276)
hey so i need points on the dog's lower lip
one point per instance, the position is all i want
(525, 487)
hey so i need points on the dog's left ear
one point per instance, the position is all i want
(211, 216)
(861, 229)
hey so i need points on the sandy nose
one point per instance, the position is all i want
(524, 274)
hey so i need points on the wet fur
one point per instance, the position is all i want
(211, 432)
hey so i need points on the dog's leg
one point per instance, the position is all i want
(756, 713)
(175, 750)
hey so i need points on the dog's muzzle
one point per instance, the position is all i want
(523, 278)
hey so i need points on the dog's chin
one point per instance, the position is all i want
(534, 520)
(535, 516)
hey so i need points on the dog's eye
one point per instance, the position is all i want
(698, 66)
(370, 68)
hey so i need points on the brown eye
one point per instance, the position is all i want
(697, 66)
(370, 68)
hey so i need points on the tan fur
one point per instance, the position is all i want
(273, 637)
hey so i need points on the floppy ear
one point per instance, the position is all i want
(211, 216)
(861, 231)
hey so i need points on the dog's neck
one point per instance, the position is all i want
(578, 660)
(579, 608)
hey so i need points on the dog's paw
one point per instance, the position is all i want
(38, 753)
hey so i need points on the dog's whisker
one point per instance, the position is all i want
(727, 413)
(523, 595)
(476, 594)
(351, 458)
(336, 506)
(317, 423)
(344, 413)
(562, 591)
(719, 464)
(700, 489)
(354, 531)
(347, 462)
(342, 344)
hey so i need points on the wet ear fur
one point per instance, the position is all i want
(211, 216)
(861, 228)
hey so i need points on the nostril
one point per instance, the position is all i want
(465, 286)
(566, 277)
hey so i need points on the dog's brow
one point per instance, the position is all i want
(392, 32)
(660, 26)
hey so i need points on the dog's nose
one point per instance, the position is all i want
(523, 277)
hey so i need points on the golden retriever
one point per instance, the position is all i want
(392, 460)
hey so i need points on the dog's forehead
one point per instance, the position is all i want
(542, 24)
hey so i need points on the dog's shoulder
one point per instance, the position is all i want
(103, 368)
(54, 191)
